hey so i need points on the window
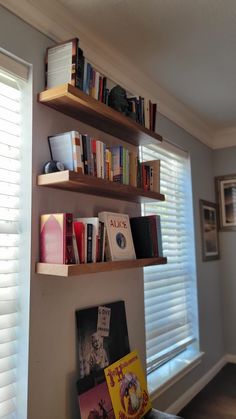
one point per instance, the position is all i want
(15, 158)
(170, 290)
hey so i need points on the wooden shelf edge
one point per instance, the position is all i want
(74, 102)
(73, 181)
(89, 268)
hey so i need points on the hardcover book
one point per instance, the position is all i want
(146, 232)
(128, 388)
(56, 238)
(61, 63)
(119, 242)
(67, 148)
(154, 174)
(102, 339)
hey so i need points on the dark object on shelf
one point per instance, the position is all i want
(117, 100)
(53, 166)
(156, 414)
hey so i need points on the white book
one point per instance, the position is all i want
(119, 245)
(66, 148)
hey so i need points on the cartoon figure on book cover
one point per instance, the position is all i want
(128, 388)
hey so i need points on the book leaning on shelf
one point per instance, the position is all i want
(146, 232)
(128, 387)
(119, 242)
(61, 63)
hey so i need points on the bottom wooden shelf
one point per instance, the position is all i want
(89, 268)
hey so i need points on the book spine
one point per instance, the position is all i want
(89, 243)
(69, 257)
(80, 69)
(85, 155)
(79, 229)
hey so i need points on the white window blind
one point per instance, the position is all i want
(11, 234)
(170, 290)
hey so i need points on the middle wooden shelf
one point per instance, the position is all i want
(89, 268)
(78, 182)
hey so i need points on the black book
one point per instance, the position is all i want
(142, 237)
(80, 69)
(85, 153)
(89, 243)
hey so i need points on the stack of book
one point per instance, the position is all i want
(66, 63)
(146, 232)
(84, 154)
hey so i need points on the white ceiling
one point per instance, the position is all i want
(187, 47)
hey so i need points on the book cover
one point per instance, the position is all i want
(102, 339)
(95, 403)
(56, 238)
(66, 148)
(142, 236)
(61, 63)
(128, 388)
(119, 244)
(146, 232)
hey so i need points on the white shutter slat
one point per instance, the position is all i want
(10, 222)
(168, 289)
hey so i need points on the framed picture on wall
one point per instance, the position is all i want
(226, 196)
(209, 230)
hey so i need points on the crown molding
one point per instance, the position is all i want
(224, 138)
(54, 20)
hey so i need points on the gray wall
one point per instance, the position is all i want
(52, 360)
(225, 164)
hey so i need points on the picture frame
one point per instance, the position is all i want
(226, 198)
(209, 230)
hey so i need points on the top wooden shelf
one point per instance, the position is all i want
(73, 102)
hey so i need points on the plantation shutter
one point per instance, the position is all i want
(170, 299)
(10, 231)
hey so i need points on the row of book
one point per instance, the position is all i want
(65, 239)
(82, 153)
(66, 63)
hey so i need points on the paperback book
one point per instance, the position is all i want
(119, 242)
(128, 388)
(96, 403)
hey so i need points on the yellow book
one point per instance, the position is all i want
(128, 388)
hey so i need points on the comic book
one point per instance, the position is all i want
(128, 388)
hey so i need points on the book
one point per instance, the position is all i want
(66, 148)
(155, 166)
(56, 238)
(95, 402)
(101, 340)
(117, 163)
(146, 232)
(128, 387)
(119, 242)
(61, 63)
(79, 230)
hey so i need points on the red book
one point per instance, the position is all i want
(56, 238)
(79, 229)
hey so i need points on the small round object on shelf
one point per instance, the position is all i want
(53, 166)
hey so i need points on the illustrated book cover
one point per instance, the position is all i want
(56, 238)
(128, 388)
(102, 339)
(119, 241)
(96, 403)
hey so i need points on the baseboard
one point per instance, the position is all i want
(230, 358)
(199, 385)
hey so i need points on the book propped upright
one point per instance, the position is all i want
(128, 388)
(56, 239)
(61, 63)
(119, 242)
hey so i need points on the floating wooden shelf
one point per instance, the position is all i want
(91, 185)
(89, 268)
(73, 102)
